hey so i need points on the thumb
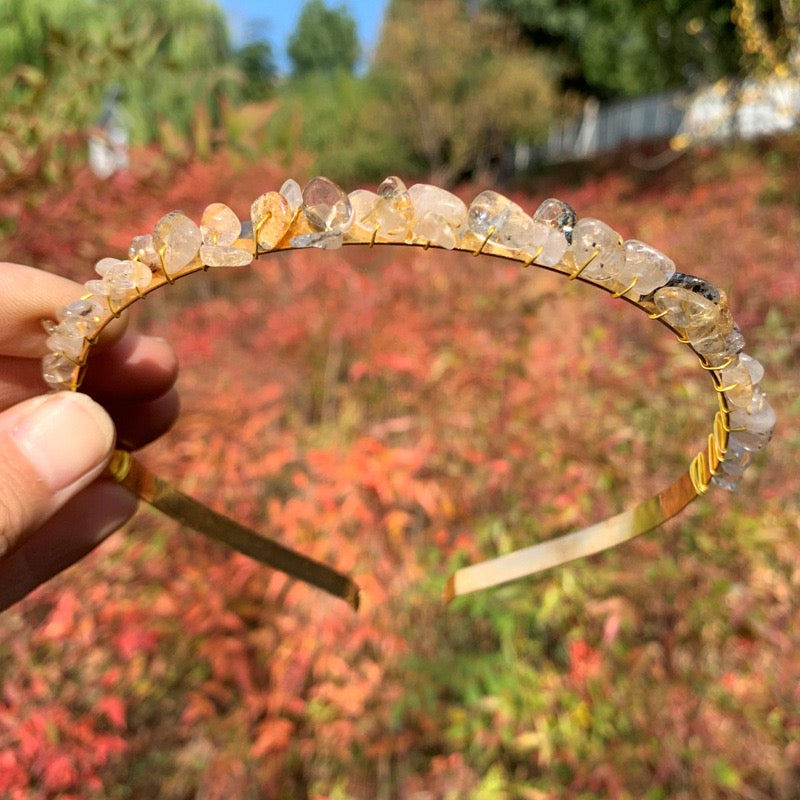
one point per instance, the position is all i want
(51, 447)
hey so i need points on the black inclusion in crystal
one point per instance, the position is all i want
(695, 284)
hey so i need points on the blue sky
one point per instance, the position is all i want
(276, 20)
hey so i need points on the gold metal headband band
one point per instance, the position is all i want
(321, 215)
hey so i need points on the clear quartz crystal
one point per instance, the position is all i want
(649, 266)
(58, 370)
(390, 217)
(753, 425)
(67, 338)
(216, 255)
(141, 249)
(438, 215)
(597, 250)
(686, 308)
(326, 206)
(362, 201)
(177, 239)
(293, 193)
(553, 222)
(427, 199)
(741, 375)
(499, 220)
(324, 240)
(219, 225)
(120, 278)
(736, 461)
(88, 313)
(386, 222)
(271, 216)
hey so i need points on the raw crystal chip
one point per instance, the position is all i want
(651, 268)
(499, 220)
(123, 276)
(326, 206)
(324, 240)
(438, 214)
(395, 193)
(558, 215)
(436, 230)
(87, 314)
(554, 222)
(216, 255)
(686, 308)
(736, 461)
(427, 199)
(271, 216)
(58, 370)
(695, 284)
(717, 341)
(219, 225)
(362, 201)
(755, 427)
(67, 338)
(741, 375)
(141, 249)
(386, 222)
(293, 193)
(177, 239)
(597, 250)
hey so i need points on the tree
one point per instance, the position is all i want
(257, 65)
(613, 48)
(461, 86)
(171, 60)
(325, 40)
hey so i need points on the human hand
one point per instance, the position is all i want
(55, 503)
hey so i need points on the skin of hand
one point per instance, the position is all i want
(55, 503)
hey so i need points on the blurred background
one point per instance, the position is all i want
(401, 414)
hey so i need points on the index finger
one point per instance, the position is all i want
(27, 297)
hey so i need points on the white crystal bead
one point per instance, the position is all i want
(293, 194)
(438, 215)
(499, 220)
(427, 199)
(215, 255)
(58, 370)
(725, 481)
(649, 266)
(104, 265)
(271, 216)
(742, 374)
(736, 461)
(219, 225)
(141, 249)
(436, 230)
(685, 308)
(597, 250)
(326, 206)
(98, 287)
(557, 215)
(66, 338)
(756, 426)
(324, 240)
(386, 222)
(395, 193)
(177, 239)
(87, 314)
(362, 202)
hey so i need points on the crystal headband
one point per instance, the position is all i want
(321, 215)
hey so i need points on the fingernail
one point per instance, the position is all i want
(64, 436)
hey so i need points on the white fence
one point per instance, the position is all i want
(744, 109)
